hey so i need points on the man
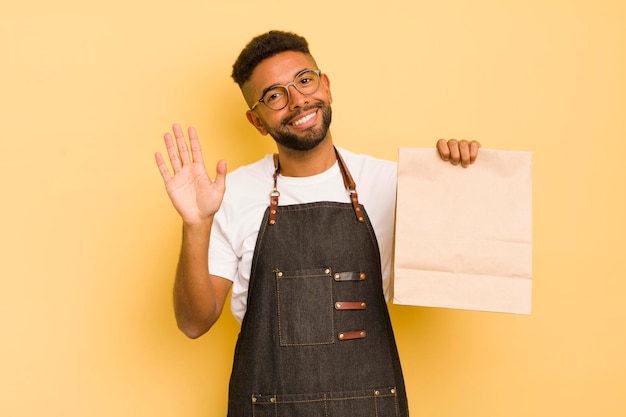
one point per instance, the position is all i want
(297, 237)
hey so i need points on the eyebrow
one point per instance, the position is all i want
(268, 89)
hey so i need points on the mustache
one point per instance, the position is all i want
(294, 116)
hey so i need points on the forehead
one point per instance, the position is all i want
(279, 69)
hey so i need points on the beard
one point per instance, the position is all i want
(310, 137)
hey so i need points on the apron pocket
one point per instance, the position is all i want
(380, 402)
(305, 307)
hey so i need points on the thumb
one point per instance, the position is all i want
(220, 172)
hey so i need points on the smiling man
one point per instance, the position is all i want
(305, 129)
(304, 240)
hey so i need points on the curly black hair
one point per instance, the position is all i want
(265, 46)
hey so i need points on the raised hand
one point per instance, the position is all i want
(194, 195)
(454, 151)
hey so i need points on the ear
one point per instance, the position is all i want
(326, 86)
(255, 121)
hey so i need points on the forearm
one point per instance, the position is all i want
(196, 303)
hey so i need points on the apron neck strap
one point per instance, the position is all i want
(348, 182)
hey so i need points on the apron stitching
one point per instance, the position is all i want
(325, 406)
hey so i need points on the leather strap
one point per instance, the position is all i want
(348, 182)
(274, 194)
(350, 305)
(356, 334)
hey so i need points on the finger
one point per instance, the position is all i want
(165, 173)
(474, 146)
(464, 151)
(444, 151)
(181, 144)
(194, 142)
(172, 153)
(455, 153)
(220, 173)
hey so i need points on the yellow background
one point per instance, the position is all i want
(89, 239)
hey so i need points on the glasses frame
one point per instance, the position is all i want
(286, 87)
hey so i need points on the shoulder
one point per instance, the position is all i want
(261, 169)
(375, 182)
(369, 161)
(248, 180)
(367, 168)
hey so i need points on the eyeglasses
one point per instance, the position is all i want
(277, 97)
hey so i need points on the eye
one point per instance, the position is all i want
(305, 80)
(273, 95)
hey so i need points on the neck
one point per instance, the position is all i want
(307, 163)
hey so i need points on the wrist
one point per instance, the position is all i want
(200, 227)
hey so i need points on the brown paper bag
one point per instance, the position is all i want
(464, 236)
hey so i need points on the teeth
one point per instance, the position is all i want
(304, 119)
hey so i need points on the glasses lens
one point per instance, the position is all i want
(307, 82)
(276, 98)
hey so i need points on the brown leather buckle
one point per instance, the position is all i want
(274, 194)
(273, 206)
(356, 334)
(350, 305)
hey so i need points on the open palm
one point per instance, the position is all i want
(194, 195)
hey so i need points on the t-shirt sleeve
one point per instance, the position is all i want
(376, 184)
(385, 223)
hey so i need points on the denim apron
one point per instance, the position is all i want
(316, 339)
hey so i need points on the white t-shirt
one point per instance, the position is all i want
(237, 223)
